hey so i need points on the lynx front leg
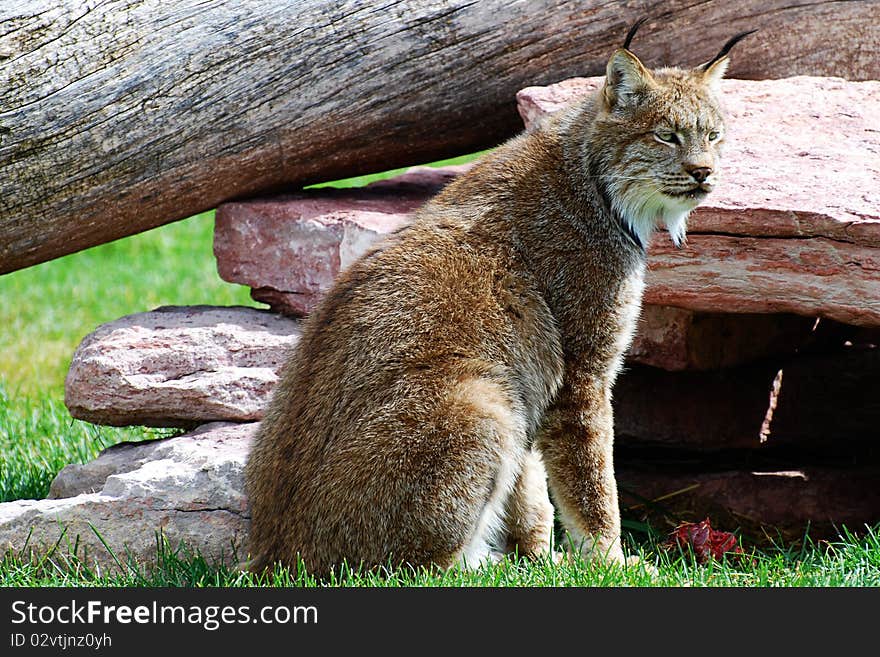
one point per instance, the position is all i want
(577, 446)
(529, 518)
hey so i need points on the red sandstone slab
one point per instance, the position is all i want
(289, 248)
(795, 223)
(811, 276)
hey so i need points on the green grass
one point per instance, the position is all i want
(360, 181)
(46, 311)
(851, 561)
(49, 308)
(38, 438)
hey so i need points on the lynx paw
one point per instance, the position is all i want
(632, 561)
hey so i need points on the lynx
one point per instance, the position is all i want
(466, 361)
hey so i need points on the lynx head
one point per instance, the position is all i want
(659, 136)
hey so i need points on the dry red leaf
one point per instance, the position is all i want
(705, 542)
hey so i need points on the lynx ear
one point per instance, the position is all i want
(625, 78)
(713, 75)
(714, 69)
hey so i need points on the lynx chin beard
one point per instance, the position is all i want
(645, 207)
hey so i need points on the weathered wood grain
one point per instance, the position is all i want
(117, 116)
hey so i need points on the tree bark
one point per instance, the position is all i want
(117, 116)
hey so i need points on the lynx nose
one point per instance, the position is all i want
(700, 173)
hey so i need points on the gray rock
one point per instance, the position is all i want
(179, 366)
(189, 489)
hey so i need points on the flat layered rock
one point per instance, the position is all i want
(179, 366)
(794, 225)
(188, 489)
(289, 248)
(185, 366)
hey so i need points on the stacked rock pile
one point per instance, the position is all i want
(750, 391)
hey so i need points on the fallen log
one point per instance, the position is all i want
(119, 117)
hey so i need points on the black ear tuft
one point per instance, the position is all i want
(633, 30)
(726, 49)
